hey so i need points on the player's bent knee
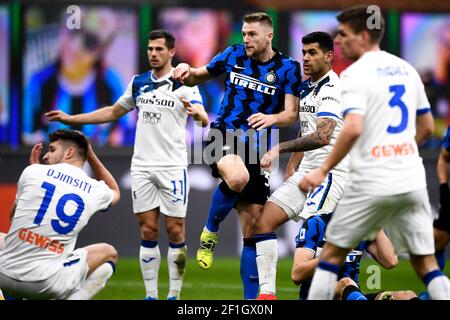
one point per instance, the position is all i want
(110, 253)
(237, 183)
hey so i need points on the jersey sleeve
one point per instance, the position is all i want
(105, 196)
(308, 236)
(193, 95)
(293, 80)
(22, 180)
(217, 65)
(353, 99)
(126, 100)
(330, 102)
(423, 105)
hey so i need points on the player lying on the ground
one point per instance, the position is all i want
(309, 244)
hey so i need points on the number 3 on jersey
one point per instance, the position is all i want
(70, 220)
(396, 101)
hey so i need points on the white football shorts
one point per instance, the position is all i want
(299, 205)
(167, 190)
(406, 218)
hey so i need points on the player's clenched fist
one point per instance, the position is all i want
(182, 72)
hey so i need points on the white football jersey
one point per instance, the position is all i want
(160, 141)
(54, 203)
(389, 93)
(321, 99)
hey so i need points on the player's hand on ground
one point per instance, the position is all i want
(261, 121)
(35, 153)
(181, 72)
(312, 180)
(269, 156)
(58, 115)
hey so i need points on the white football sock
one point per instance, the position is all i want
(150, 260)
(439, 288)
(266, 260)
(323, 285)
(94, 283)
(176, 261)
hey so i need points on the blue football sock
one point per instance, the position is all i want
(222, 202)
(440, 257)
(356, 295)
(353, 293)
(249, 270)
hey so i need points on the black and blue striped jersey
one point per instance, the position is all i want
(446, 141)
(311, 236)
(252, 86)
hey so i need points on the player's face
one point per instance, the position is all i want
(315, 61)
(159, 55)
(257, 38)
(349, 42)
(55, 153)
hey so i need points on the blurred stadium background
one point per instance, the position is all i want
(35, 47)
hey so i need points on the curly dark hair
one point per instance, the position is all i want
(72, 136)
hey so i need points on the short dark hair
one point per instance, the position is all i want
(260, 17)
(72, 136)
(161, 33)
(324, 40)
(357, 17)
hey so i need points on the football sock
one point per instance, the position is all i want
(222, 202)
(267, 259)
(323, 284)
(438, 285)
(176, 260)
(353, 293)
(440, 257)
(150, 260)
(94, 283)
(249, 270)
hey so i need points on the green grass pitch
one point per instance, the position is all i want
(222, 281)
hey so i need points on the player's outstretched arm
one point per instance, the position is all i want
(103, 115)
(318, 139)
(191, 76)
(101, 173)
(351, 131)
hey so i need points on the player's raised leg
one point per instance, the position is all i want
(235, 177)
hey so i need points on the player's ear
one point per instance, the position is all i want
(172, 52)
(329, 56)
(70, 152)
(269, 37)
(365, 36)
